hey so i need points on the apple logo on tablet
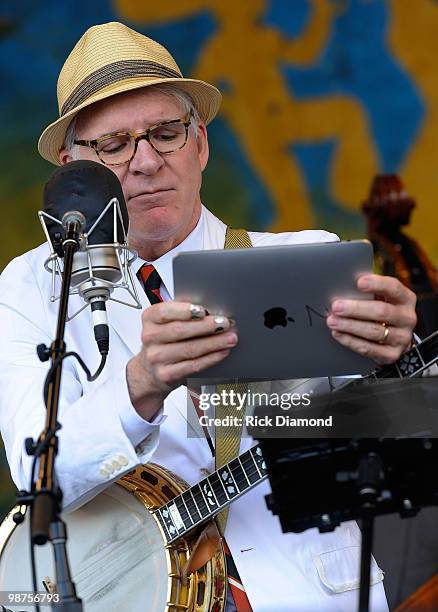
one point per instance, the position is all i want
(277, 316)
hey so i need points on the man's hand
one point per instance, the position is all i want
(178, 340)
(361, 324)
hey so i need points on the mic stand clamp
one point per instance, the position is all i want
(46, 496)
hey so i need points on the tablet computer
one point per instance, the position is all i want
(279, 297)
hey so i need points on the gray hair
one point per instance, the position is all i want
(70, 137)
(182, 97)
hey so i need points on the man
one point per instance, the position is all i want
(122, 99)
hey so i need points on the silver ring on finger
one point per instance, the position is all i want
(220, 324)
(196, 311)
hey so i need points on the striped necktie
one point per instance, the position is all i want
(151, 281)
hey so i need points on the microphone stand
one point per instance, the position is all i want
(369, 482)
(46, 496)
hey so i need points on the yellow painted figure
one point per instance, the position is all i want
(414, 42)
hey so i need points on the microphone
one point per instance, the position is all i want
(88, 196)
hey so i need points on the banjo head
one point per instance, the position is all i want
(118, 555)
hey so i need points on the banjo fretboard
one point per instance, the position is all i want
(205, 499)
(413, 362)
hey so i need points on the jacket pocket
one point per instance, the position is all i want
(339, 570)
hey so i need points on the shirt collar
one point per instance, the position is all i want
(163, 264)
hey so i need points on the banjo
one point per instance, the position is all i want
(134, 546)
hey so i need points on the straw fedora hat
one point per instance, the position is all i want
(110, 59)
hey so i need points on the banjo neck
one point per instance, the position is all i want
(214, 493)
(208, 497)
(412, 363)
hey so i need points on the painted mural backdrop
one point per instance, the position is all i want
(319, 95)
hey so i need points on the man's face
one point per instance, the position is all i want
(161, 191)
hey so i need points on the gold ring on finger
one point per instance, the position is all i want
(384, 339)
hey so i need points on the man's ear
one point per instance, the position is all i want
(65, 157)
(202, 142)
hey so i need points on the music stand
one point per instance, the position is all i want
(353, 478)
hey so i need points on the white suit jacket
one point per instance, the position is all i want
(98, 443)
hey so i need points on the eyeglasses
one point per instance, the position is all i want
(119, 148)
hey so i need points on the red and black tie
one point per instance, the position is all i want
(151, 282)
(238, 592)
